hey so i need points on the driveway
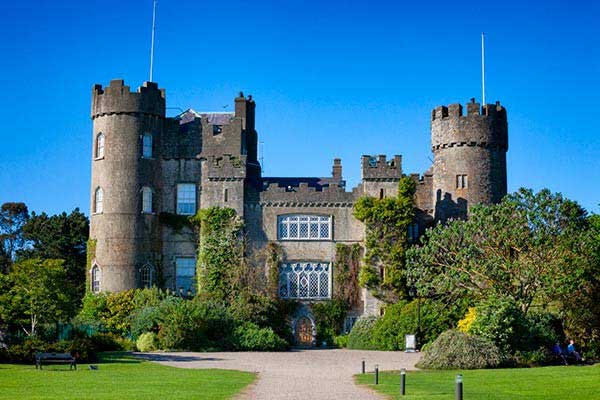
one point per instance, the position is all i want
(298, 374)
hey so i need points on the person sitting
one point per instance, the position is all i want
(559, 354)
(572, 352)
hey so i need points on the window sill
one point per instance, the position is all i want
(148, 213)
(98, 213)
(148, 158)
(305, 240)
(98, 158)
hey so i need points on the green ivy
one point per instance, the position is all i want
(386, 222)
(90, 256)
(345, 273)
(175, 221)
(274, 256)
(220, 251)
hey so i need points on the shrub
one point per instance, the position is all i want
(341, 341)
(464, 325)
(361, 335)
(252, 307)
(330, 319)
(195, 324)
(251, 337)
(82, 349)
(145, 319)
(111, 342)
(457, 350)
(402, 318)
(147, 342)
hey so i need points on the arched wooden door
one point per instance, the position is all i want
(304, 332)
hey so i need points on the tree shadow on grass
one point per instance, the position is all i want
(173, 357)
(117, 357)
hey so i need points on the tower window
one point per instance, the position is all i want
(186, 198)
(147, 200)
(225, 195)
(462, 181)
(217, 129)
(185, 272)
(381, 193)
(95, 279)
(98, 200)
(147, 276)
(100, 145)
(147, 145)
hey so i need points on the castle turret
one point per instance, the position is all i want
(380, 176)
(469, 165)
(126, 182)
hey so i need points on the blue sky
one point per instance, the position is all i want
(330, 78)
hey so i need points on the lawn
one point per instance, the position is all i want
(548, 383)
(119, 377)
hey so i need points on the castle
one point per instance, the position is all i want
(145, 165)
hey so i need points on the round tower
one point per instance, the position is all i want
(125, 197)
(469, 164)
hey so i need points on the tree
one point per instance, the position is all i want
(62, 236)
(530, 248)
(12, 218)
(37, 293)
(386, 222)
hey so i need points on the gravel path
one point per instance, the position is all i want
(299, 374)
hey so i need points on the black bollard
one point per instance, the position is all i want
(402, 382)
(459, 387)
(376, 374)
(363, 366)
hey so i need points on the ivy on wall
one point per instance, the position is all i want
(345, 274)
(220, 251)
(90, 253)
(274, 257)
(386, 220)
(175, 221)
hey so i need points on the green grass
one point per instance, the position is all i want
(119, 377)
(548, 383)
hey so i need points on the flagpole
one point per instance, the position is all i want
(152, 42)
(482, 69)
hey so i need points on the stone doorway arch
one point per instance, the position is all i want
(304, 329)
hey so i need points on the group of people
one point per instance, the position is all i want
(570, 353)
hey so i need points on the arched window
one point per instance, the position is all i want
(95, 279)
(147, 145)
(98, 200)
(147, 200)
(147, 276)
(100, 145)
(305, 280)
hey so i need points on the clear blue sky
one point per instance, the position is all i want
(330, 78)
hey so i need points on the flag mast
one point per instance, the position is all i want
(152, 42)
(482, 69)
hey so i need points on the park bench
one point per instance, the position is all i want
(55, 358)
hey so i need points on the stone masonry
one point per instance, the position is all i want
(215, 154)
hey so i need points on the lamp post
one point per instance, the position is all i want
(377, 374)
(363, 366)
(459, 387)
(402, 382)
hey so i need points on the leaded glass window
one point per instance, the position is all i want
(95, 279)
(305, 280)
(98, 200)
(147, 276)
(304, 227)
(147, 200)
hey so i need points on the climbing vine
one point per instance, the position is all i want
(220, 251)
(90, 254)
(175, 221)
(274, 256)
(386, 220)
(345, 273)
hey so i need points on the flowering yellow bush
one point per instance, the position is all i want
(464, 325)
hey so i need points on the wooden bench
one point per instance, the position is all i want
(55, 358)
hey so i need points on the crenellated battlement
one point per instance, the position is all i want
(380, 169)
(481, 126)
(227, 167)
(117, 98)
